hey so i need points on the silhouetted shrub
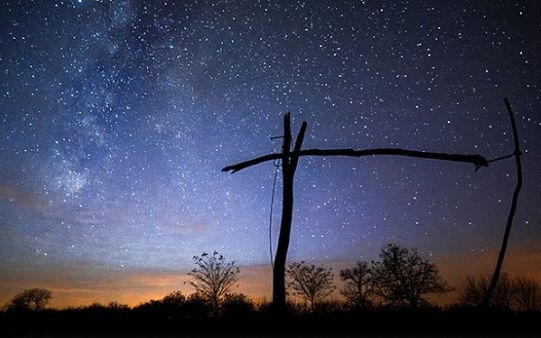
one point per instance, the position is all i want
(237, 305)
(30, 300)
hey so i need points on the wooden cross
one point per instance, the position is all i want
(290, 159)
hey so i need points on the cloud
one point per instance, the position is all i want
(22, 198)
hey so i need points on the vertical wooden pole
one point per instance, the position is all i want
(494, 281)
(289, 165)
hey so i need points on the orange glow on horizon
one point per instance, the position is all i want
(255, 281)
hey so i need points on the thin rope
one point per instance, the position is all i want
(504, 157)
(276, 164)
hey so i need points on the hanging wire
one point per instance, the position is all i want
(276, 164)
(504, 157)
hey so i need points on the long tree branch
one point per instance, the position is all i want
(510, 216)
(477, 160)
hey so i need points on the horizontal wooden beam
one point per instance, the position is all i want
(477, 160)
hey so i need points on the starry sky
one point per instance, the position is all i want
(116, 118)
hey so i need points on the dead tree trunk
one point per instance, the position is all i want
(289, 165)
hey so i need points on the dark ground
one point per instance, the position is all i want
(51, 323)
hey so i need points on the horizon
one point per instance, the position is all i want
(117, 117)
(255, 281)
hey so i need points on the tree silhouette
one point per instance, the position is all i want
(213, 277)
(173, 305)
(519, 293)
(237, 305)
(474, 290)
(174, 299)
(31, 299)
(311, 283)
(503, 294)
(403, 277)
(115, 305)
(527, 294)
(357, 288)
(197, 306)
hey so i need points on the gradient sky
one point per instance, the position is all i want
(116, 118)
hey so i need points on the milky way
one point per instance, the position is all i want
(118, 116)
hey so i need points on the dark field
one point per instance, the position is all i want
(129, 323)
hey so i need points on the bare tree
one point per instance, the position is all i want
(311, 283)
(473, 292)
(31, 299)
(527, 294)
(213, 277)
(476, 288)
(503, 294)
(357, 287)
(403, 277)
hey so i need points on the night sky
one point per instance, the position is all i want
(116, 118)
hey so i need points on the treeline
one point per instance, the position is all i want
(394, 290)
